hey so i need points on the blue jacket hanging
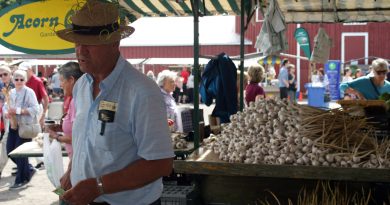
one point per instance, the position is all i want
(219, 83)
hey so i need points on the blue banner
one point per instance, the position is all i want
(332, 70)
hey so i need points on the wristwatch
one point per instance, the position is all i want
(100, 185)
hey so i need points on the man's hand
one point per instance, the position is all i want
(360, 95)
(356, 93)
(65, 180)
(83, 193)
(11, 111)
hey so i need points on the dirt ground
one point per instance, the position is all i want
(37, 192)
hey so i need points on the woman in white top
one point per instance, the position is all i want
(347, 75)
(320, 78)
(24, 107)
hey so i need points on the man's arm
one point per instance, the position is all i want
(65, 179)
(136, 175)
(45, 104)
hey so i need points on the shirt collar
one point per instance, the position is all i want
(112, 78)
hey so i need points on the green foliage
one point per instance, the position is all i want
(5, 3)
(385, 96)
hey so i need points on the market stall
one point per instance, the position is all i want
(284, 147)
(236, 181)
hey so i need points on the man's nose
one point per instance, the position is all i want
(81, 49)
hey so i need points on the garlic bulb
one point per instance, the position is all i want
(273, 131)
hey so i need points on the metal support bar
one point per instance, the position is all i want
(195, 10)
(242, 51)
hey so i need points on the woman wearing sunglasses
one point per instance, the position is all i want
(370, 87)
(5, 86)
(24, 106)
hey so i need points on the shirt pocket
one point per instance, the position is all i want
(108, 140)
(113, 138)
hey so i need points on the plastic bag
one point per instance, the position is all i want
(52, 157)
(322, 45)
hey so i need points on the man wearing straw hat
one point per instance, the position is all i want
(120, 135)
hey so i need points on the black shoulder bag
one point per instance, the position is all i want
(375, 88)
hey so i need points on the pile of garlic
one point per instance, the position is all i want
(178, 142)
(268, 132)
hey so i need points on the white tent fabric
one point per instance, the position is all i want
(8, 53)
(179, 31)
(138, 8)
(295, 11)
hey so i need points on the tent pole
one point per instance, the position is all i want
(242, 56)
(195, 11)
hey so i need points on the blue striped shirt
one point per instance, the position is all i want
(139, 130)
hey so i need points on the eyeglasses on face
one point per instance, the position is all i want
(17, 79)
(382, 72)
(3, 74)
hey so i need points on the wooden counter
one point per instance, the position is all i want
(238, 183)
(206, 162)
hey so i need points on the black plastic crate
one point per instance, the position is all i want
(178, 195)
(380, 120)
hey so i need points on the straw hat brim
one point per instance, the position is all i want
(71, 36)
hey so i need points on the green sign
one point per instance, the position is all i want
(303, 40)
(332, 66)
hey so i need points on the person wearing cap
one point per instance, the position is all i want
(5, 86)
(372, 86)
(23, 106)
(120, 137)
(36, 84)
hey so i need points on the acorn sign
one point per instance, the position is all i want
(30, 27)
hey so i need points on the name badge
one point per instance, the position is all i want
(107, 111)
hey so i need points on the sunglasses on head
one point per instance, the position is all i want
(382, 72)
(4, 74)
(17, 79)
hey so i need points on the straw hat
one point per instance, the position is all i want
(95, 23)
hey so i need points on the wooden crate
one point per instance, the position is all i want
(361, 103)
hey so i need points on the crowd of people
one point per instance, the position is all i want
(370, 86)
(287, 81)
(23, 99)
(115, 129)
(177, 87)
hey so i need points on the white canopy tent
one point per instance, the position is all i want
(11, 54)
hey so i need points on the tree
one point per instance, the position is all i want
(5, 3)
